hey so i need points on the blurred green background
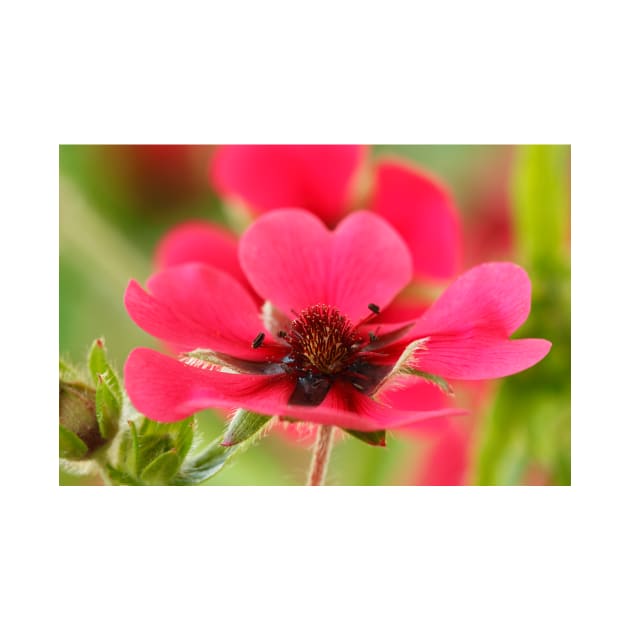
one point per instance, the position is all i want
(117, 201)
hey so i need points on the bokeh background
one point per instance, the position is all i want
(117, 201)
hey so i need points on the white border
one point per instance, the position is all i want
(335, 557)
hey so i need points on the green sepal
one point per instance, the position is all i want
(120, 478)
(128, 450)
(71, 446)
(432, 378)
(162, 469)
(373, 438)
(206, 464)
(99, 366)
(244, 425)
(107, 408)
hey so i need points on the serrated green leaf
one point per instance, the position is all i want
(162, 469)
(243, 426)
(71, 446)
(107, 409)
(97, 359)
(100, 367)
(373, 438)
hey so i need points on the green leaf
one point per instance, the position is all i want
(151, 447)
(71, 446)
(162, 469)
(373, 438)
(154, 438)
(128, 450)
(207, 463)
(97, 359)
(150, 427)
(99, 366)
(184, 437)
(107, 409)
(243, 426)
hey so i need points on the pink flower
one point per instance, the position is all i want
(321, 351)
(448, 458)
(324, 180)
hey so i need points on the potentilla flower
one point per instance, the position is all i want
(325, 180)
(319, 350)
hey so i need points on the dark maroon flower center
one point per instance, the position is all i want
(322, 340)
(324, 347)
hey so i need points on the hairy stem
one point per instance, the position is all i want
(321, 455)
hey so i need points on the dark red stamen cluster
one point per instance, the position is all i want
(322, 340)
(324, 347)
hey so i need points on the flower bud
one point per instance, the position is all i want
(89, 414)
(79, 432)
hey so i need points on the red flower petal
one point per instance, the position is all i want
(293, 260)
(481, 357)
(201, 242)
(423, 213)
(266, 177)
(197, 306)
(492, 296)
(167, 390)
(471, 321)
(350, 409)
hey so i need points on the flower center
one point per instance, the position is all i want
(322, 340)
